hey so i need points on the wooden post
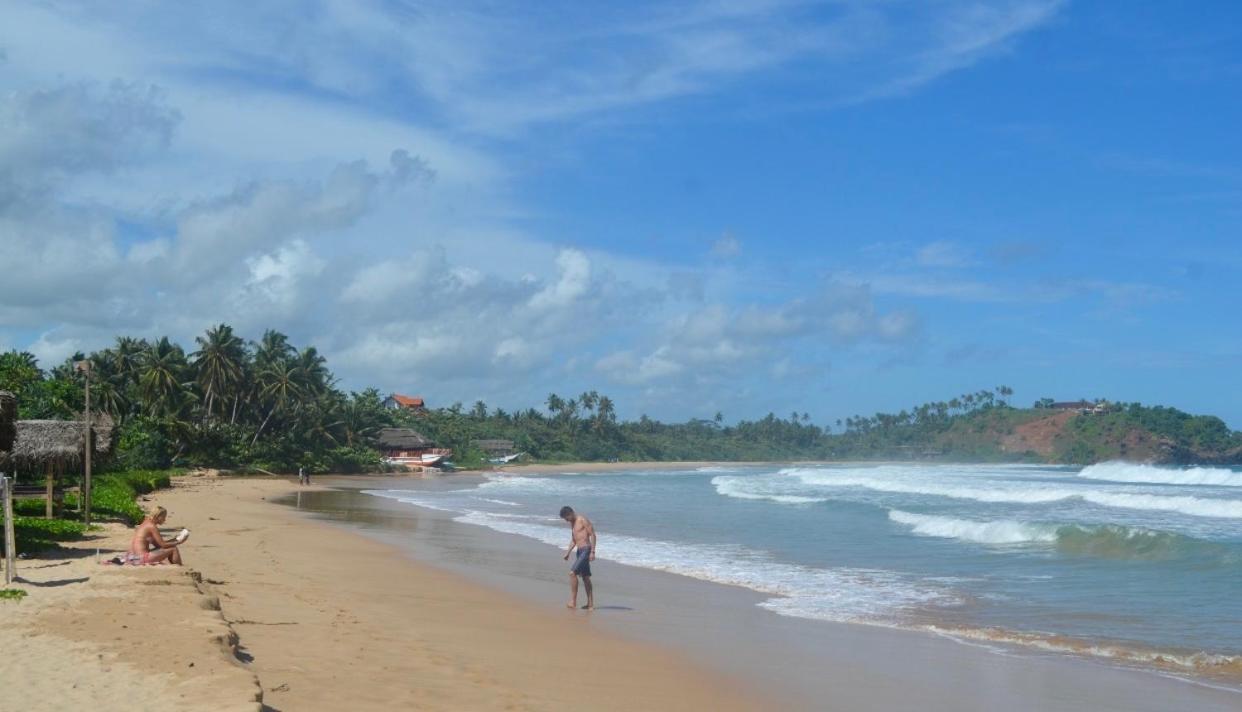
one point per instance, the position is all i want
(10, 540)
(90, 445)
(51, 490)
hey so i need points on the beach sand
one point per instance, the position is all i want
(327, 619)
(394, 607)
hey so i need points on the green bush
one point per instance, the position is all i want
(113, 495)
(12, 594)
(34, 534)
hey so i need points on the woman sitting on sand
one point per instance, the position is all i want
(149, 546)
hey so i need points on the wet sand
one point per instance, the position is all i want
(804, 664)
(332, 620)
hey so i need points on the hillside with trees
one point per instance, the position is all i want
(267, 404)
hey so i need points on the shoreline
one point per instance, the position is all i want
(332, 619)
(873, 651)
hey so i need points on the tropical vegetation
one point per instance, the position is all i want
(269, 405)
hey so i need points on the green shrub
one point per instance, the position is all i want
(113, 494)
(11, 594)
(35, 534)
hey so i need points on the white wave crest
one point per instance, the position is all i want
(1193, 506)
(1031, 494)
(996, 532)
(829, 594)
(741, 487)
(1150, 474)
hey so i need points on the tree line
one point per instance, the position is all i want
(270, 405)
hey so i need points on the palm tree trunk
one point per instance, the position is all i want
(261, 427)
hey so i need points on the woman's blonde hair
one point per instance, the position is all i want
(155, 512)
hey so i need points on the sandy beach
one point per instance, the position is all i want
(324, 619)
(324, 598)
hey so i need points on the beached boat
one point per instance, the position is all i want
(505, 460)
(429, 458)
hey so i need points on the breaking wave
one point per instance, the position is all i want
(838, 594)
(995, 532)
(1029, 494)
(740, 487)
(1110, 541)
(1151, 474)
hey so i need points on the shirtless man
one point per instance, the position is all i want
(584, 540)
(149, 546)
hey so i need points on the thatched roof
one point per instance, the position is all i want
(39, 442)
(401, 439)
(8, 420)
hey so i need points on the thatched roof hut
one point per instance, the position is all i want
(8, 420)
(401, 439)
(40, 442)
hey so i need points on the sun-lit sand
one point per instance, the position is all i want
(325, 619)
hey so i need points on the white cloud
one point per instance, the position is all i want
(570, 286)
(943, 253)
(727, 246)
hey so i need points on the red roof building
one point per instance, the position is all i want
(396, 401)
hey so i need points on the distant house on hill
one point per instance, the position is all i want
(396, 401)
(404, 446)
(1083, 406)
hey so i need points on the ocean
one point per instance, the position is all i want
(1137, 564)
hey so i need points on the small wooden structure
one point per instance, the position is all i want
(494, 447)
(406, 447)
(53, 446)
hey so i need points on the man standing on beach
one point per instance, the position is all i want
(583, 538)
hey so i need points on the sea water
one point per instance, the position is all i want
(1139, 563)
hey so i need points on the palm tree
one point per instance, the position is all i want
(278, 387)
(555, 404)
(312, 370)
(218, 361)
(126, 359)
(273, 348)
(163, 382)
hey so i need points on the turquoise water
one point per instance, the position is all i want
(1129, 561)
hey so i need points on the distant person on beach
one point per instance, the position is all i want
(583, 533)
(149, 546)
(302, 478)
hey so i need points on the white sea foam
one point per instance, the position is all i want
(828, 594)
(1150, 474)
(1025, 493)
(515, 483)
(1002, 531)
(742, 487)
(1194, 506)
(409, 497)
(505, 502)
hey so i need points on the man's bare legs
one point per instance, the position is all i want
(573, 592)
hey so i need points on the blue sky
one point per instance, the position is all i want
(734, 205)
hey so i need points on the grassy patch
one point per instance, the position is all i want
(11, 594)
